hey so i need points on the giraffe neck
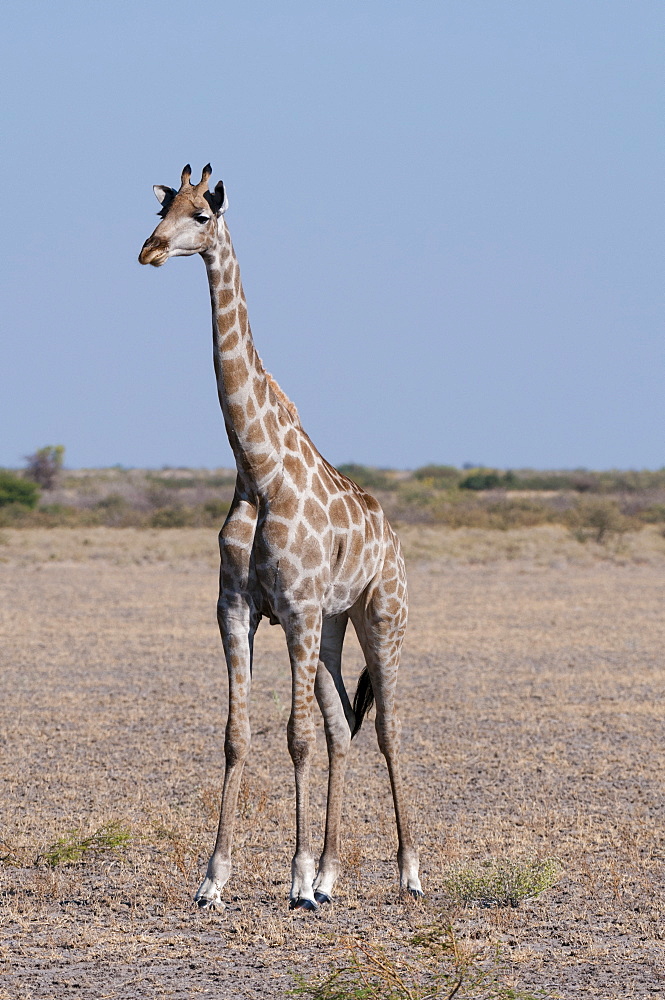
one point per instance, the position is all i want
(257, 414)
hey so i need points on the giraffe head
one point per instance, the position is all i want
(189, 219)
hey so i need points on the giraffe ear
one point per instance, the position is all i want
(164, 195)
(217, 199)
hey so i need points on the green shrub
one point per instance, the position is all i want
(628, 481)
(599, 519)
(522, 512)
(171, 517)
(415, 493)
(440, 477)
(481, 480)
(417, 502)
(501, 882)
(16, 490)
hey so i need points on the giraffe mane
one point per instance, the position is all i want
(283, 399)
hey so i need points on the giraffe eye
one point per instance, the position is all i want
(202, 219)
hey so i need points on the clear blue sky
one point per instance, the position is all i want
(448, 216)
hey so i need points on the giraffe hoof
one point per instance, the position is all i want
(416, 893)
(302, 904)
(209, 904)
(322, 897)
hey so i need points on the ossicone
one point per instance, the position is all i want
(205, 177)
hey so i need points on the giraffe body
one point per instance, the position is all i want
(302, 545)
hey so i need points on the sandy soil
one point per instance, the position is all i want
(531, 699)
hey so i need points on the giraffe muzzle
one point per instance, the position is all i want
(154, 252)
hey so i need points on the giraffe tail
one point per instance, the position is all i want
(362, 701)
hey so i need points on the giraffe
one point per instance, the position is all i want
(303, 546)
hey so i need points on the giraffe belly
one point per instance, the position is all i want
(284, 587)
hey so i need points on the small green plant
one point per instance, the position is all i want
(445, 968)
(73, 846)
(501, 882)
(16, 490)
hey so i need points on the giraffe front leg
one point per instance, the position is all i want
(303, 637)
(238, 620)
(237, 628)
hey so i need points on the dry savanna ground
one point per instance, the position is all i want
(531, 696)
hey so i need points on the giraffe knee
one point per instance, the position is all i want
(301, 738)
(300, 749)
(237, 743)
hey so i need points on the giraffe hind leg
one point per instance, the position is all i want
(338, 722)
(380, 622)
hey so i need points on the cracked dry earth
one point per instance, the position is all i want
(531, 697)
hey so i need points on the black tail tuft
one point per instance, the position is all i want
(363, 700)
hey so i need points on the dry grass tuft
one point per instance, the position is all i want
(439, 965)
